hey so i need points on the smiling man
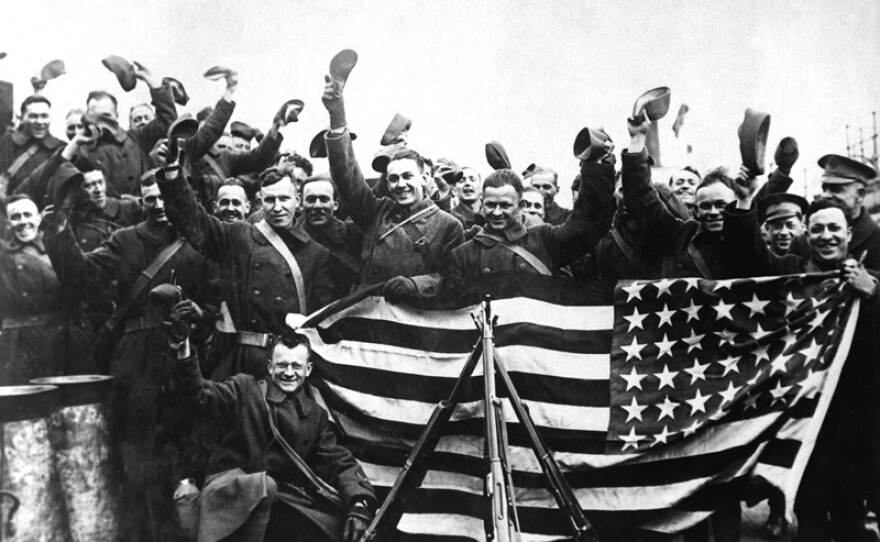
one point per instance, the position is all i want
(22, 150)
(844, 469)
(406, 234)
(152, 250)
(547, 181)
(270, 269)
(507, 244)
(344, 239)
(684, 184)
(231, 203)
(256, 488)
(783, 218)
(467, 191)
(33, 341)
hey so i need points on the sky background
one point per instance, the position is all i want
(529, 74)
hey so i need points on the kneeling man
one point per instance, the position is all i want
(264, 474)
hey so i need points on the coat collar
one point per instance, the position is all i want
(862, 228)
(153, 232)
(513, 233)
(276, 396)
(14, 245)
(298, 234)
(400, 213)
(111, 209)
(335, 231)
(465, 211)
(48, 142)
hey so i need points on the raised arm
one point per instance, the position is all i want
(591, 216)
(356, 196)
(163, 101)
(209, 132)
(206, 233)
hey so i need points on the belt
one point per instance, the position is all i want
(249, 338)
(141, 322)
(31, 320)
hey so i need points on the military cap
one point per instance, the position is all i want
(783, 205)
(843, 170)
(242, 130)
(398, 125)
(318, 149)
(497, 156)
(177, 90)
(123, 70)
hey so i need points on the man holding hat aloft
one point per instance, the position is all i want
(844, 469)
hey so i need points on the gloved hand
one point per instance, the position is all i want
(399, 288)
(182, 319)
(359, 517)
(786, 154)
(333, 102)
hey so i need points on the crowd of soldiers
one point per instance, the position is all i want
(250, 236)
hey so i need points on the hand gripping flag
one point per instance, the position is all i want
(656, 398)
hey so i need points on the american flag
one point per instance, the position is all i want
(656, 397)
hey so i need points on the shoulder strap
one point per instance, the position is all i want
(214, 165)
(20, 161)
(324, 489)
(523, 253)
(345, 258)
(630, 253)
(139, 284)
(420, 242)
(699, 262)
(282, 248)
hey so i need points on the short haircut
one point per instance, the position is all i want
(17, 197)
(33, 100)
(686, 168)
(276, 173)
(145, 104)
(409, 154)
(504, 177)
(717, 175)
(100, 95)
(204, 113)
(301, 162)
(321, 177)
(822, 204)
(75, 111)
(290, 339)
(149, 177)
(232, 181)
(538, 170)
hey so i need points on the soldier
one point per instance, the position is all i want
(123, 155)
(467, 192)
(231, 203)
(259, 487)
(782, 217)
(274, 268)
(532, 203)
(222, 161)
(151, 432)
(684, 184)
(547, 181)
(845, 181)
(22, 150)
(34, 337)
(844, 469)
(344, 240)
(405, 235)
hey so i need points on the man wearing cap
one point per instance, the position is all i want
(242, 135)
(844, 469)
(22, 150)
(467, 192)
(272, 268)
(123, 155)
(845, 181)
(405, 235)
(782, 216)
(546, 180)
(151, 435)
(33, 306)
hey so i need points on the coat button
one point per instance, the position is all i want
(24, 294)
(278, 298)
(19, 267)
(256, 292)
(257, 265)
(487, 270)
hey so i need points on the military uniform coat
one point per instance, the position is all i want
(251, 445)
(395, 254)
(259, 287)
(124, 156)
(13, 144)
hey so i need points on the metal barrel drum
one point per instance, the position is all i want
(27, 466)
(79, 434)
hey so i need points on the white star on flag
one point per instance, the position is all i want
(663, 287)
(779, 392)
(631, 440)
(665, 316)
(634, 410)
(730, 364)
(729, 394)
(633, 379)
(634, 291)
(723, 309)
(698, 403)
(756, 306)
(692, 311)
(694, 341)
(662, 436)
(697, 371)
(635, 320)
(667, 408)
(633, 350)
(665, 347)
(666, 377)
